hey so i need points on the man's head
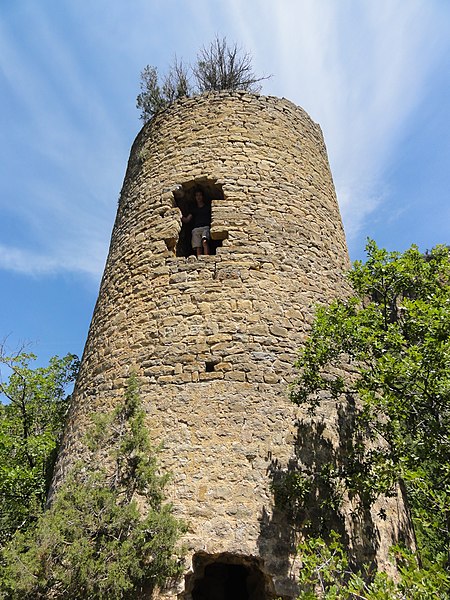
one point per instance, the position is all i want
(199, 197)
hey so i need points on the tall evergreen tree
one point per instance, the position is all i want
(108, 533)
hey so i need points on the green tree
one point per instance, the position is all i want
(32, 416)
(156, 96)
(393, 335)
(218, 66)
(108, 532)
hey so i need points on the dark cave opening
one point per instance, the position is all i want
(222, 582)
(227, 577)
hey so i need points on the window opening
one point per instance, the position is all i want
(194, 199)
(209, 367)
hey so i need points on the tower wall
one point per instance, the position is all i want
(214, 339)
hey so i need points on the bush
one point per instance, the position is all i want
(219, 66)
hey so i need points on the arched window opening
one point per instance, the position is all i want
(194, 214)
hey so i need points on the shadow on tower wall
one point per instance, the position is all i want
(312, 495)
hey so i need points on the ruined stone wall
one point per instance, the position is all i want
(214, 339)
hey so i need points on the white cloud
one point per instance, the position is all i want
(359, 69)
(71, 160)
(85, 257)
(27, 262)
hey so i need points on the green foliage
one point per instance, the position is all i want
(154, 96)
(108, 532)
(31, 422)
(219, 66)
(327, 573)
(393, 335)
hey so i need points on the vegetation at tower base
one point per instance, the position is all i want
(97, 540)
(31, 423)
(393, 335)
(327, 573)
(219, 66)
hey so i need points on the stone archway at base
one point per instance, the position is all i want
(227, 577)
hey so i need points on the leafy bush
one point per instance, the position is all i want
(327, 573)
(31, 422)
(219, 66)
(394, 334)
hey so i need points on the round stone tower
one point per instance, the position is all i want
(213, 339)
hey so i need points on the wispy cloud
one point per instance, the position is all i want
(359, 69)
(69, 80)
(89, 262)
(72, 156)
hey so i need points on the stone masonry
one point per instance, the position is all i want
(214, 339)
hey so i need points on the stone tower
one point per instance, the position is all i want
(214, 339)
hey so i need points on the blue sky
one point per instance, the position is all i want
(374, 75)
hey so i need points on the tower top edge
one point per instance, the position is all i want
(217, 98)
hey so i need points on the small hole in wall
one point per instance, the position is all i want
(209, 367)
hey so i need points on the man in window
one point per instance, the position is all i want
(200, 218)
